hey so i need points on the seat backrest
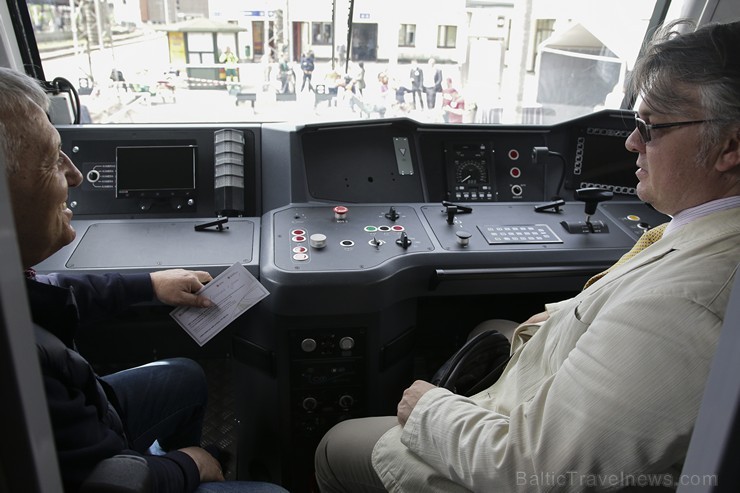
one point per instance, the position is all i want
(25, 426)
(714, 451)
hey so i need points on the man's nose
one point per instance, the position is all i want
(634, 142)
(74, 176)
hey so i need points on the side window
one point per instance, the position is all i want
(321, 33)
(200, 47)
(407, 35)
(446, 36)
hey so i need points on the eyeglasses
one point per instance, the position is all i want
(645, 129)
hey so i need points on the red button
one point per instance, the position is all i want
(340, 213)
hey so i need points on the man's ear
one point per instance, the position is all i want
(730, 156)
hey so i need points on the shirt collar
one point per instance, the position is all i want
(686, 216)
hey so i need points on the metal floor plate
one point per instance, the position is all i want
(221, 423)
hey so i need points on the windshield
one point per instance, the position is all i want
(454, 61)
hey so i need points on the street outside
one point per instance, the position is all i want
(143, 96)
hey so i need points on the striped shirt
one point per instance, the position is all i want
(686, 216)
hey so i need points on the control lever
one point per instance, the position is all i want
(453, 209)
(553, 206)
(392, 214)
(218, 224)
(592, 197)
(404, 241)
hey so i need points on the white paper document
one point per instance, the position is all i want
(232, 292)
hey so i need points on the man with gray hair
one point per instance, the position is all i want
(94, 418)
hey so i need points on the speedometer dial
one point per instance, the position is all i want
(471, 173)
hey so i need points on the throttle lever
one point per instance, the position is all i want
(453, 209)
(592, 197)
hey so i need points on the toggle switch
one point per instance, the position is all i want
(375, 242)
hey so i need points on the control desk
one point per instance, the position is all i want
(351, 251)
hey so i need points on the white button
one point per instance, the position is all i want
(317, 240)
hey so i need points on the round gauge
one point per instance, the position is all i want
(471, 172)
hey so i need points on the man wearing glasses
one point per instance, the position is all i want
(602, 390)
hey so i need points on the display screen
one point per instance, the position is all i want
(603, 161)
(155, 171)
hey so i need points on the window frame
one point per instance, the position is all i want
(403, 36)
(320, 28)
(443, 36)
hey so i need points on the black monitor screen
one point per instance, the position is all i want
(602, 161)
(154, 171)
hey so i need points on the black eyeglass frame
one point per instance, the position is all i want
(644, 128)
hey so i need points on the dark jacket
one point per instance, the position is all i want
(87, 427)
(417, 78)
(307, 64)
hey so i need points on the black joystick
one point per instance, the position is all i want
(392, 214)
(404, 241)
(592, 197)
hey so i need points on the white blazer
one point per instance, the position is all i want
(602, 397)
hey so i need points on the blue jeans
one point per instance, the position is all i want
(163, 401)
(166, 401)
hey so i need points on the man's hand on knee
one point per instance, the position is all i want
(410, 397)
(208, 466)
